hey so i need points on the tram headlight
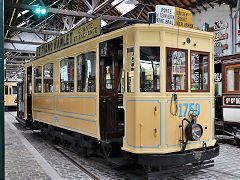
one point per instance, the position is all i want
(194, 132)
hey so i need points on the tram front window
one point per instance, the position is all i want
(149, 69)
(176, 70)
(14, 90)
(67, 75)
(233, 78)
(199, 71)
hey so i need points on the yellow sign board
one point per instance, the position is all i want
(174, 16)
(183, 18)
(80, 34)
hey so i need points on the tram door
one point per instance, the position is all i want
(110, 101)
(29, 93)
(20, 101)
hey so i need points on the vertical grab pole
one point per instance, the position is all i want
(2, 153)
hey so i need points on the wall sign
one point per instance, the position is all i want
(219, 25)
(219, 36)
(218, 77)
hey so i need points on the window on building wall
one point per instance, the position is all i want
(6, 90)
(14, 89)
(38, 79)
(67, 75)
(130, 69)
(149, 69)
(176, 70)
(233, 78)
(86, 72)
(48, 77)
(199, 71)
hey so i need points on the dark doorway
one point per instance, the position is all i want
(29, 93)
(111, 89)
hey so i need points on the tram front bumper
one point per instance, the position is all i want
(180, 158)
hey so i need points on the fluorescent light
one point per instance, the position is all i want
(24, 12)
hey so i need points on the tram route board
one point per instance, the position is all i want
(75, 36)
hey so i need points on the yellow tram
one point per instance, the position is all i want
(145, 90)
(10, 94)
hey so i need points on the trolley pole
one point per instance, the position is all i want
(2, 144)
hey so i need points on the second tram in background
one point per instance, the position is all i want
(230, 103)
(10, 94)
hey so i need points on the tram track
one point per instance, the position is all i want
(61, 151)
(79, 166)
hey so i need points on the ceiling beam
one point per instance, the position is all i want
(13, 65)
(20, 57)
(204, 7)
(20, 51)
(210, 4)
(31, 30)
(22, 42)
(88, 4)
(13, 62)
(13, 69)
(66, 12)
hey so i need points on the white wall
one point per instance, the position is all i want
(211, 16)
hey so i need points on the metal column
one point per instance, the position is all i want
(2, 153)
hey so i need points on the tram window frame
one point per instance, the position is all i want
(201, 53)
(226, 78)
(186, 69)
(72, 87)
(6, 89)
(156, 87)
(14, 91)
(46, 79)
(88, 83)
(39, 79)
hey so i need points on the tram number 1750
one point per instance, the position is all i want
(188, 107)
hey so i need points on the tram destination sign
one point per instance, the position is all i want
(75, 36)
(232, 100)
(174, 16)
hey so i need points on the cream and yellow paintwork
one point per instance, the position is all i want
(149, 126)
(10, 98)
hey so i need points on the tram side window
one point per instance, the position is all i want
(48, 77)
(14, 89)
(67, 75)
(176, 70)
(199, 71)
(86, 72)
(233, 78)
(38, 79)
(149, 69)
(130, 69)
(6, 90)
